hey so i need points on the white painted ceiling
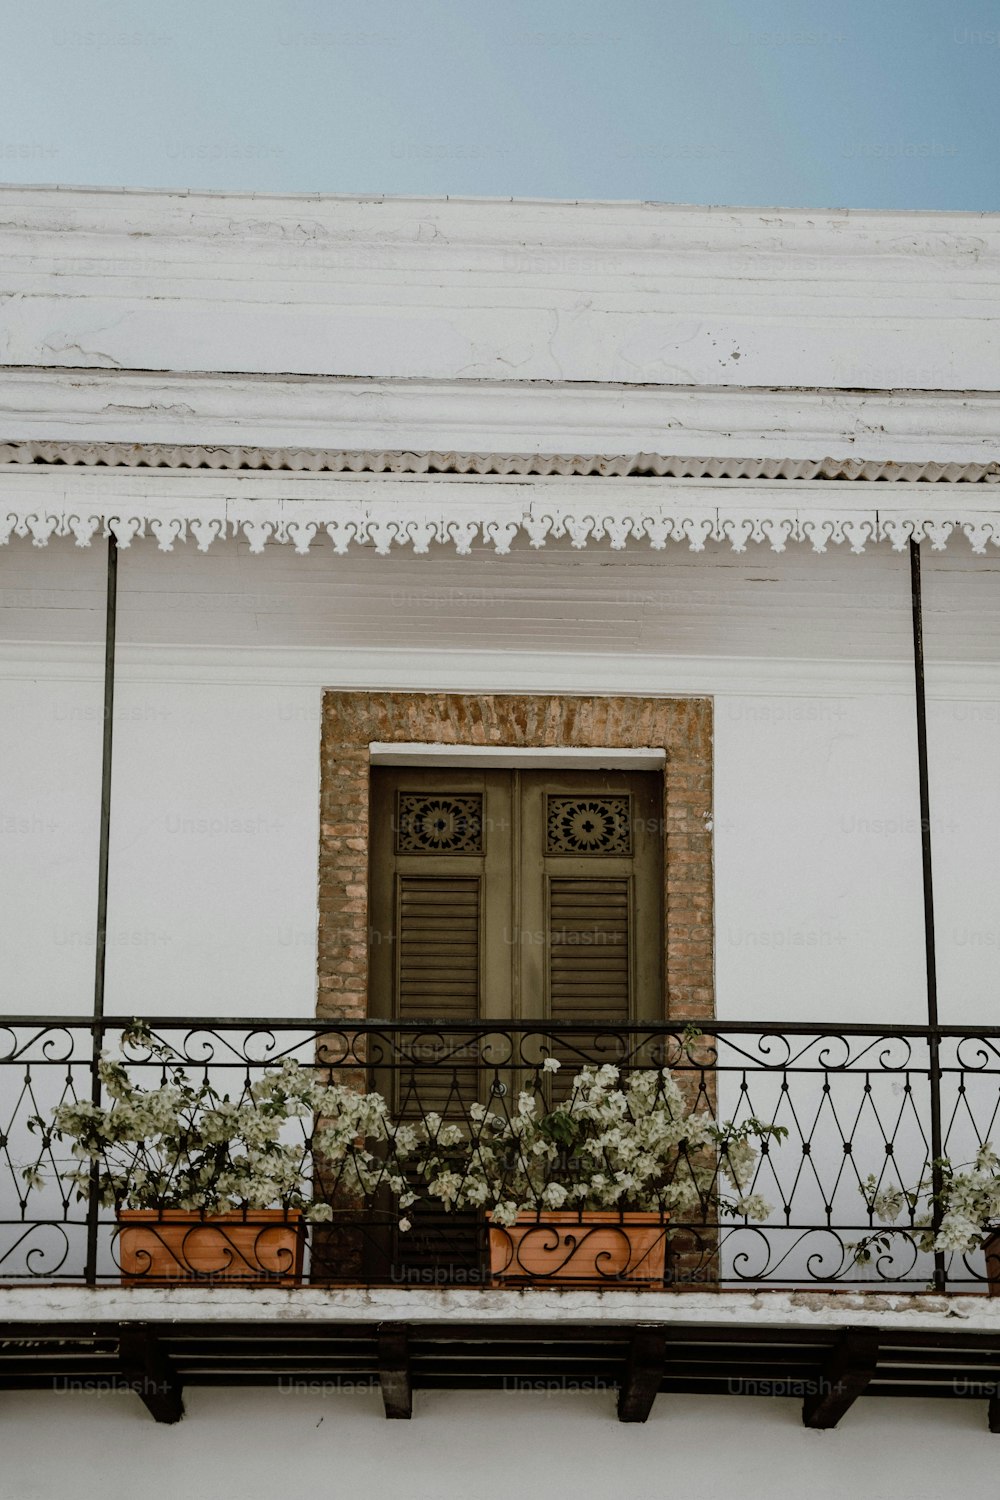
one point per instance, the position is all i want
(716, 603)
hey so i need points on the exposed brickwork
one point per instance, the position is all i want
(680, 726)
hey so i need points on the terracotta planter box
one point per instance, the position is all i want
(263, 1245)
(593, 1249)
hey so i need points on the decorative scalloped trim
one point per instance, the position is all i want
(496, 520)
(370, 461)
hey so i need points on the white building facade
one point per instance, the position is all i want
(474, 454)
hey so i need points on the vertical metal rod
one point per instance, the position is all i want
(100, 962)
(934, 1040)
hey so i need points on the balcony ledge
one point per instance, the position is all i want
(902, 1311)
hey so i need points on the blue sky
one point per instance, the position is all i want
(858, 103)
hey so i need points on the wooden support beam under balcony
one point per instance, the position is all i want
(643, 1373)
(844, 1376)
(734, 1346)
(149, 1371)
(394, 1371)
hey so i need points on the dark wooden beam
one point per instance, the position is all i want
(394, 1371)
(643, 1373)
(148, 1370)
(842, 1378)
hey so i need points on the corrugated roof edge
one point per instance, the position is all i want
(369, 461)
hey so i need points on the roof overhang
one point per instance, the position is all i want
(409, 372)
(403, 288)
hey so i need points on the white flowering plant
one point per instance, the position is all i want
(634, 1142)
(183, 1144)
(968, 1200)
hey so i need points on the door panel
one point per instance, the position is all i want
(592, 892)
(440, 881)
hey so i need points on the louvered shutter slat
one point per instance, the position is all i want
(438, 936)
(588, 959)
(589, 948)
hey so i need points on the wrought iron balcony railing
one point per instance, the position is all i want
(857, 1105)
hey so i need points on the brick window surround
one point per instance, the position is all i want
(352, 721)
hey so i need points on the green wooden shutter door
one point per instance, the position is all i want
(510, 894)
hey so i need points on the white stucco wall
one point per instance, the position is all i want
(212, 891)
(50, 755)
(216, 825)
(215, 849)
(215, 821)
(469, 1446)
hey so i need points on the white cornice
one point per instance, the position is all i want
(421, 511)
(422, 417)
(500, 290)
